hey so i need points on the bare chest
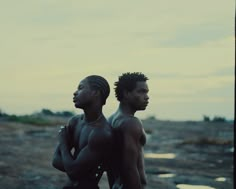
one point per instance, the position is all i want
(81, 136)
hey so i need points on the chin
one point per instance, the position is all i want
(143, 108)
(77, 105)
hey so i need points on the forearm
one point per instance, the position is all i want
(57, 160)
(67, 158)
(141, 168)
(58, 163)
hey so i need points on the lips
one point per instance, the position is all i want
(146, 103)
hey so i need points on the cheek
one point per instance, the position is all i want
(81, 96)
(137, 99)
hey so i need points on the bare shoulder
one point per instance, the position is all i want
(132, 125)
(73, 121)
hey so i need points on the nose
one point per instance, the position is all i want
(75, 93)
(146, 97)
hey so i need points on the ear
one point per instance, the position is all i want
(126, 94)
(96, 93)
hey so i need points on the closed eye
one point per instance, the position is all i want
(80, 87)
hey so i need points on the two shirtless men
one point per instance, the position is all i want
(90, 144)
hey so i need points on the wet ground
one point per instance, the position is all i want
(184, 155)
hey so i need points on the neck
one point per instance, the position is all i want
(92, 115)
(126, 109)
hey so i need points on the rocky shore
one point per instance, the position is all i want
(177, 155)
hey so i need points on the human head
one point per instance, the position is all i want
(131, 89)
(99, 83)
(127, 82)
(89, 89)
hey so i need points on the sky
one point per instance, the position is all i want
(185, 47)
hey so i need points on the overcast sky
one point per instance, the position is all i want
(185, 47)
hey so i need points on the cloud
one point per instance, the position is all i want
(196, 36)
(184, 47)
(224, 72)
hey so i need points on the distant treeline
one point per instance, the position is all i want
(61, 113)
(44, 117)
(48, 117)
(214, 119)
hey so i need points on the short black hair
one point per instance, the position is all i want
(127, 82)
(99, 83)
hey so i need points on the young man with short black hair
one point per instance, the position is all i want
(89, 134)
(127, 163)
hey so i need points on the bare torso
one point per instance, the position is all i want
(90, 143)
(120, 123)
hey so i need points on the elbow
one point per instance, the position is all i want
(73, 169)
(144, 182)
(143, 178)
(56, 163)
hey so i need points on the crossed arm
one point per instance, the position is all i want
(57, 158)
(88, 158)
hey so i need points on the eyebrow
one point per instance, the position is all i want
(143, 89)
(80, 85)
